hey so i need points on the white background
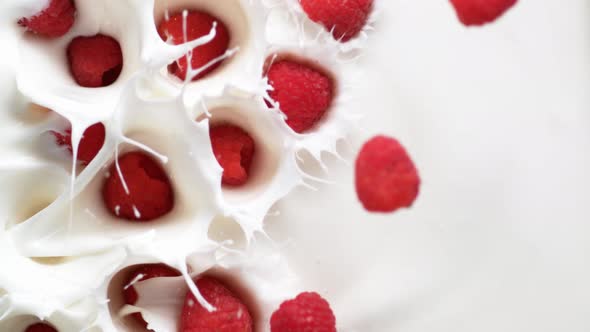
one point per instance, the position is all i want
(498, 121)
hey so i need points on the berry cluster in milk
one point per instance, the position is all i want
(145, 123)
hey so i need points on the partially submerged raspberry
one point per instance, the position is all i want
(54, 21)
(150, 192)
(385, 176)
(234, 150)
(479, 12)
(95, 61)
(303, 92)
(306, 312)
(90, 144)
(145, 272)
(40, 327)
(231, 314)
(198, 24)
(345, 18)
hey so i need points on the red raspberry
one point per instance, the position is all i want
(307, 312)
(386, 178)
(40, 327)
(479, 12)
(234, 150)
(95, 61)
(142, 273)
(198, 24)
(150, 193)
(54, 21)
(304, 93)
(90, 144)
(346, 17)
(231, 314)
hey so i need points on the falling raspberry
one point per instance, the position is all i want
(479, 12)
(150, 192)
(345, 18)
(307, 312)
(54, 21)
(231, 314)
(95, 61)
(40, 327)
(90, 144)
(386, 178)
(234, 150)
(142, 273)
(304, 93)
(198, 24)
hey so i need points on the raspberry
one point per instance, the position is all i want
(304, 94)
(231, 314)
(345, 18)
(142, 273)
(386, 178)
(150, 192)
(40, 327)
(307, 312)
(90, 144)
(234, 150)
(54, 21)
(95, 61)
(198, 24)
(479, 12)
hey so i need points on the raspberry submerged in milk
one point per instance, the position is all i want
(234, 149)
(198, 24)
(40, 327)
(145, 272)
(230, 313)
(90, 144)
(344, 18)
(304, 93)
(141, 191)
(95, 61)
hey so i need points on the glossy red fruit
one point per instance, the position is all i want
(479, 12)
(151, 195)
(95, 61)
(198, 24)
(307, 312)
(303, 92)
(40, 327)
(90, 144)
(345, 18)
(234, 149)
(231, 314)
(385, 176)
(141, 273)
(54, 21)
